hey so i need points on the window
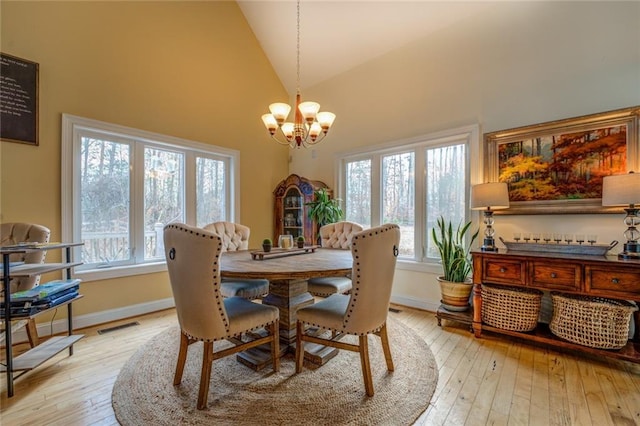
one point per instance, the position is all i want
(411, 183)
(121, 186)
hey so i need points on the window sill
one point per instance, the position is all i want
(119, 271)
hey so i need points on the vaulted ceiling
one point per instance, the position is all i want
(336, 36)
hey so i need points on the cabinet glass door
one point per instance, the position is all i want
(293, 219)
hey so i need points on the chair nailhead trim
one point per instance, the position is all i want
(356, 267)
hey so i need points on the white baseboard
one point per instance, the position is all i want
(89, 320)
(411, 302)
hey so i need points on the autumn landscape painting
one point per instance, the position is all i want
(565, 166)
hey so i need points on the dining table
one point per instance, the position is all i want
(287, 271)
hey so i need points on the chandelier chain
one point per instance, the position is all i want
(309, 125)
(298, 49)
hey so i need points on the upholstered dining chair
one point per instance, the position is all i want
(193, 261)
(364, 311)
(14, 233)
(236, 237)
(338, 236)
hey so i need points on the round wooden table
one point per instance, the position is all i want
(288, 272)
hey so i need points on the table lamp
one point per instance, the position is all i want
(624, 190)
(489, 197)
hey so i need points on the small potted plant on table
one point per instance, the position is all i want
(266, 245)
(300, 241)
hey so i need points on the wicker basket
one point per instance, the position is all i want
(591, 321)
(511, 308)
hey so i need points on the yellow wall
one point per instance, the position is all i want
(193, 70)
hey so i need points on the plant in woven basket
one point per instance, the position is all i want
(454, 247)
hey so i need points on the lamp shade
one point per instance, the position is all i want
(494, 195)
(620, 190)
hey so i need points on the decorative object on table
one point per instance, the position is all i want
(588, 249)
(557, 167)
(624, 190)
(143, 393)
(488, 196)
(235, 237)
(266, 245)
(324, 209)
(285, 241)
(511, 308)
(455, 284)
(281, 252)
(595, 322)
(300, 241)
(365, 310)
(190, 252)
(309, 126)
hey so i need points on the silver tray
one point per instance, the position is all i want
(589, 249)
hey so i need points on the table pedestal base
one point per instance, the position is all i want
(288, 296)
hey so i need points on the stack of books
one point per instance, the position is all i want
(41, 297)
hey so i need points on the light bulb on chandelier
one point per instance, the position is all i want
(310, 125)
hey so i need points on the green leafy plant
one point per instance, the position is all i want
(267, 241)
(454, 250)
(324, 209)
(300, 239)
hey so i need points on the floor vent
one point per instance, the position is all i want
(118, 327)
(394, 310)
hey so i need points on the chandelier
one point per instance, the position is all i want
(309, 126)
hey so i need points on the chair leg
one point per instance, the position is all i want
(205, 375)
(182, 358)
(384, 337)
(299, 346)
(275, 345)
(366, 367)
(32, 333)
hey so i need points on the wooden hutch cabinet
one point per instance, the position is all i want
(291, 218)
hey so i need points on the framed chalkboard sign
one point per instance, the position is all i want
(18, 100)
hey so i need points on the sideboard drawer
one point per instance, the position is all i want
(556, 276)
(612, 282)
(504, 271)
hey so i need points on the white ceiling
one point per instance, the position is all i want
(336, 36)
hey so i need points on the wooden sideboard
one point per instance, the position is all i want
(603, 276)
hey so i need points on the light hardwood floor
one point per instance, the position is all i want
(486, 381)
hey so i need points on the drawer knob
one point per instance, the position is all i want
(503, 270)
(553, 275)
(615, 281)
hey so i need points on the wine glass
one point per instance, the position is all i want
(579, 238)
(557, 238)
(526, 237)
(535, 237)
(568, 238)
(546, 237)
(516, 236)
(592, 238)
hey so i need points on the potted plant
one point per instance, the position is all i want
(324, 209)
(300, 241)
(266, 245)
(454, 248)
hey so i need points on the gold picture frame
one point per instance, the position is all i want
(557, 167)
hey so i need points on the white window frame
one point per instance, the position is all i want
(469, 135)
(73, 127)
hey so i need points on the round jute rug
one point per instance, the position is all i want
(333, 394)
